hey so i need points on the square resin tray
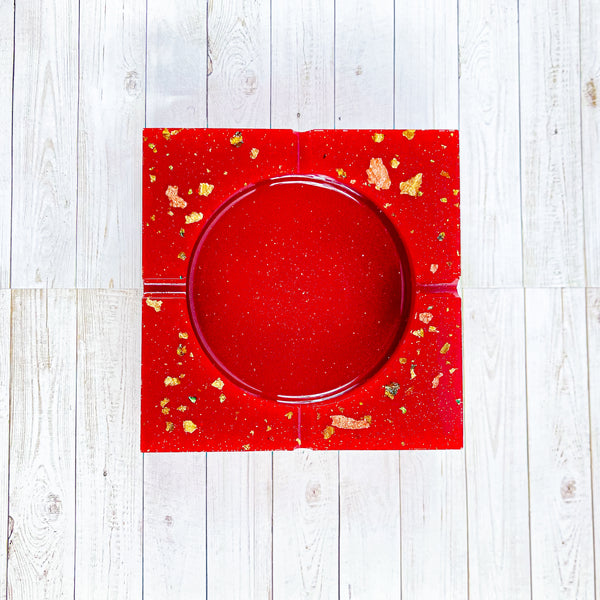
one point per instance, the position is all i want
(300, 290)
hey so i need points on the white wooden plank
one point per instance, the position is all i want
(108, 533)
(238, 528)
(175, 484)
(176, 78)
(496, 444)
(369, 544)
(305, 524)
(364, 64)
(434, 537)
(590, 131)
(551, 143)
(239, 485)
(302, 64)
(593, 329)
(111, 116)
(175, 526)
(45, 144)
(5, 526)
(305, 483)
(489, 141)
(7, 9)
(426, 50)
(369, 525)
(239, 86)
(41, 557)
(562, 563)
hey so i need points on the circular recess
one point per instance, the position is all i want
(299, 288)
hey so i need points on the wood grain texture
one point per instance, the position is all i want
(302, 64)
(370, 562)
(305, 525)
(175, 526)
(42, 444)
(7, 9)
(175, 484)
(5, 526)
(364, 64)
(590, 131)
(489, 144)
(434, 531)
(562, 563)
(176, 56)
(305, 484)
(108, 533)
(593, 338)
(45, 145)
(111, 117)
(496, 444)
(239, 84)
(238, 529)
(426, 52)
(551, 186)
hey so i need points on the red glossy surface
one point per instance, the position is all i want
(299, 288)
(192, 401)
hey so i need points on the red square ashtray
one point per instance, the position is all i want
(300, 290)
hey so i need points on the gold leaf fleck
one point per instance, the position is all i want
(391, 389)
(409, 134)
(222, 398)
(445, 348)
(182, 256)
(166, 410)
(189, 426)
(182, 408)
(425, 317)
(289, 415)
(432, 329)
(433, 268)
(170, 381)
(328, 432)
(342, 422)
(152, 178)
(205, 189)
(412, 185)
(246, 447)
(341, 172)
(193, 218)
(418, 332)
(436, 380)
(402, 361)
(455, 192)
(164, 402)
(174, 200)
(445, 174)
(183, 335)
(155, 304)
(378, 137)
(378, 175)
(236, 139)
(218, 383)
(394, 163)
(170, 426)
(181, 350)
(254, 153)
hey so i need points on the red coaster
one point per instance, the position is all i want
(300, 290)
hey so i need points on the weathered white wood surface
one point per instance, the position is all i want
(590, 139)
(490, 189)
(517, 521)
(174, 491)
(496, 443)
(44, 144)
(41, 549)
(109, 475)
(551, 143)
(5, 526)
(562, 564)
(593, 328)
(111, 115)
(239, 499)
(305, 497)
(6, 74)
